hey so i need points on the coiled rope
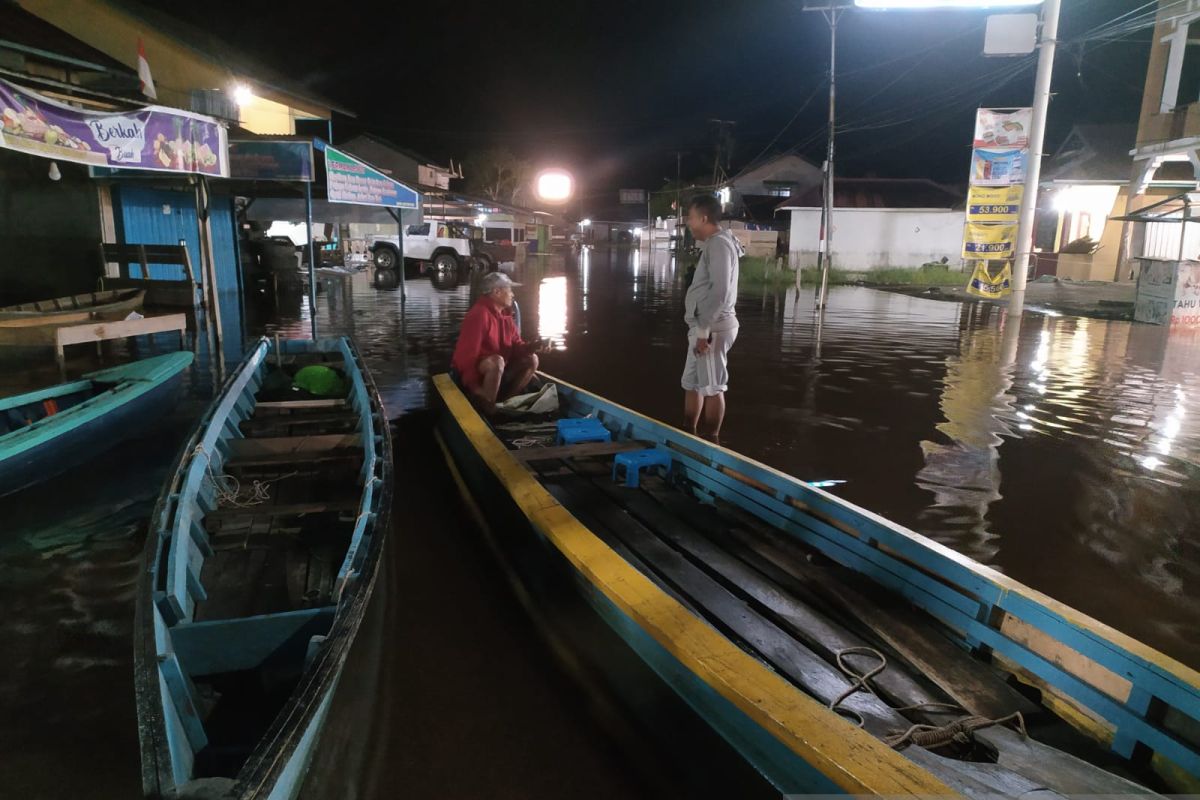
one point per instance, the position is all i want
(928, 736)
(228, 488)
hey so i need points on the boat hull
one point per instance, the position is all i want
(79, 444)
(120, 303)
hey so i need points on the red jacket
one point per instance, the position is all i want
(487, 330)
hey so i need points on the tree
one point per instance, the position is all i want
(497, 174)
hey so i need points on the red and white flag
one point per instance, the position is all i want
(144, 73)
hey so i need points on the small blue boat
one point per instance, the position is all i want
(260, 561)
(759, 636)
(46, 432)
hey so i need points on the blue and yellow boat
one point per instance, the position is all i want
(262, 555)
(770, 638)
(48, 431)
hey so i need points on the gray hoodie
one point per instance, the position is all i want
(710, 301)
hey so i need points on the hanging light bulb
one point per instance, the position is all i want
(55, 174)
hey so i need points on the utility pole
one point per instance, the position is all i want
(723, 147)
(1037, 134)
(831, 11)
(678, 179)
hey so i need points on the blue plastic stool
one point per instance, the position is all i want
(577, 431)
(635, 461)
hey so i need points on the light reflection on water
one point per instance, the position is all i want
(1063, 451)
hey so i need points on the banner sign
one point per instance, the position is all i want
(997, 167)
(271, 160)
(147, 138)
(989, 241)
(632, 196)
(984, 285)
(352, 181)
(1003, 129)
(994, 203)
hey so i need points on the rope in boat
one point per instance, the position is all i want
(228, 488)
(928, 736)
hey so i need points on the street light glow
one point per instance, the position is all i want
(554, 186)
(585, 222)
(242, 95)
(912, 4)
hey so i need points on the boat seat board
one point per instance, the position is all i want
(317, 443)
(231, 645)
(215, 520)
(584, 450)
(295, 457)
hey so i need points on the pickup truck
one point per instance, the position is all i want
(444, 246)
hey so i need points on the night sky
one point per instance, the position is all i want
(612, 90)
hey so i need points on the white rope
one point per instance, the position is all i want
(228, 488)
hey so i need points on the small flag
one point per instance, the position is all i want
(144, 73)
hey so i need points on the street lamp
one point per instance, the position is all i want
(554, 186)
(1037, 127)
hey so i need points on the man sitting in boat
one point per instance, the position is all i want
(491, 361)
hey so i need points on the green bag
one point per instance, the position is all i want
(320, 381)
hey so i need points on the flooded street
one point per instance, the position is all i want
(1063, 451)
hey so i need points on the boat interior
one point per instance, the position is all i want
(17, 412)
(719, 542)
(248, 581)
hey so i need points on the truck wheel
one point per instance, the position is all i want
(445, 263)
(385, 258)
(489, 263)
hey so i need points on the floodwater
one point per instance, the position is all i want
(1062, 451)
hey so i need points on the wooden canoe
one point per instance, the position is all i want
(73, 308)
(261, 557)
(711, 607)
(44, 433)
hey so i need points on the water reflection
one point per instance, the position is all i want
(552, 311)
(1063, 451)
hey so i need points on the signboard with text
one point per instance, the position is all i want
(271, 160)
(994, 203)
(151, 138)
(351, 181)
(987, 241)
(632, 196)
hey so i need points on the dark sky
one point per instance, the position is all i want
(611, 90)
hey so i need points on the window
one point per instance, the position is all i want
(419, 230)
(497, 234)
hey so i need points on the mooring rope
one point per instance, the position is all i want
(927, 736)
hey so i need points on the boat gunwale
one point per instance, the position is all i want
(851, 758)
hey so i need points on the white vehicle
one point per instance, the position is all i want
(444, 246)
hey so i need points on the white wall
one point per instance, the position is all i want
(864, 238)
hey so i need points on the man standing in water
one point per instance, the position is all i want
(711, 318)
